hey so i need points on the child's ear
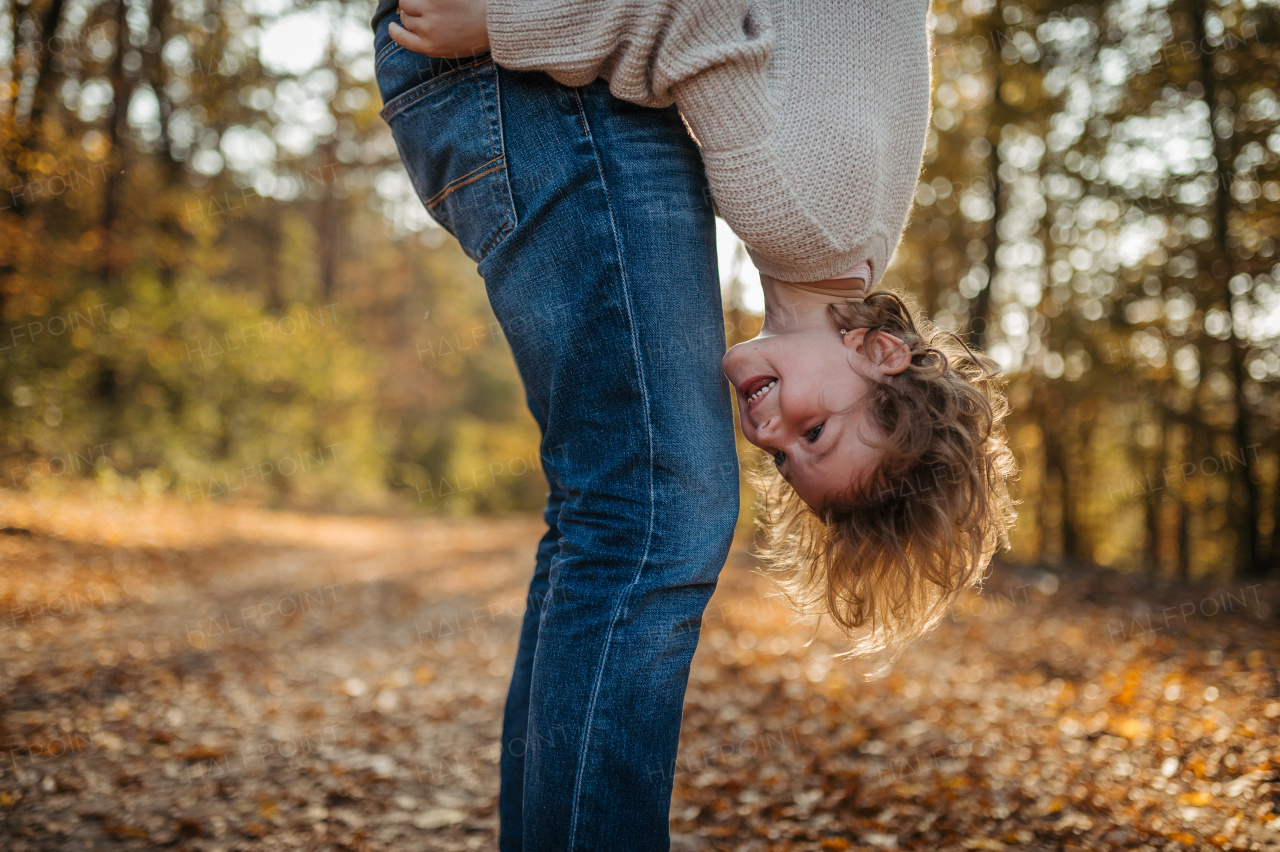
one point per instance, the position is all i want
(886, 353)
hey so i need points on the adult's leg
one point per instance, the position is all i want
(588, 218)
(515, 717)
(608, 290)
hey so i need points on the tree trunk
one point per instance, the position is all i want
(980, 316)
(1156, 494)
(26, 126)
(158, 77)
(117, 126)
(49, 22)
(174, 175)
(1274, 556)
(330, 229)
(1055, 457)
(1222, 271)
(1184, 542)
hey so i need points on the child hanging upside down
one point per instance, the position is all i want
(887, 495)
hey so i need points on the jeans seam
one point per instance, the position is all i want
(420, 91)
(495, 167)
(482, 170)
(484, 105)
(648, 539)
(387, 50)
(500, 145)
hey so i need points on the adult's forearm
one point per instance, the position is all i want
(643, 48)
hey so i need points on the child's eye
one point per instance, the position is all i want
(813, 433)
(779, 457)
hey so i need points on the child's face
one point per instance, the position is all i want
(798, 396)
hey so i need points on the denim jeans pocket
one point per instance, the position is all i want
(449, 131)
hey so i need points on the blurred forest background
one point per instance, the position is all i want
(216, 282)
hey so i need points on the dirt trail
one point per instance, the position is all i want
(228, 678)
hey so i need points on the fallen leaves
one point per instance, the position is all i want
(1028, 721)
(438, 818)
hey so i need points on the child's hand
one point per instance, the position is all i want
(442, 27)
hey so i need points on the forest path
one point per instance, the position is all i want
(224, 678)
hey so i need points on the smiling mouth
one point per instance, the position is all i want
(757, 389)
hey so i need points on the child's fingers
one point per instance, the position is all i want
(413, 7)
(406, 39)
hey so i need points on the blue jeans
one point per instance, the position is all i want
(590, 221)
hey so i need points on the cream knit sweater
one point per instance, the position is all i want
(811, 114)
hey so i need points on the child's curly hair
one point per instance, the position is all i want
(887, 558)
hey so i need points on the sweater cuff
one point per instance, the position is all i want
(875, 249)
(526, 36)
(725, 109)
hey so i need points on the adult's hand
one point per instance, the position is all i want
(442, 27)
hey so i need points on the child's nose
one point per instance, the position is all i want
(767, 431)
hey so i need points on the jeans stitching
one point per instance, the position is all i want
(423, 89)
(403, 102)
(644, 395)
(387, 50)
(484, 105)
(464, 180)
(499, 234)
(491, 117)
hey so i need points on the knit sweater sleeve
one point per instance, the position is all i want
(644, 48)
(811, 115)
